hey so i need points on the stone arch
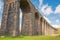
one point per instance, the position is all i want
(36, 15)
(24, 5)
(26, 17)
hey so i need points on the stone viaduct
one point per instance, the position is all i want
(33, 23)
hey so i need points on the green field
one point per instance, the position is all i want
(31, 38)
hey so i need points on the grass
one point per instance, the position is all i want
(31, 38)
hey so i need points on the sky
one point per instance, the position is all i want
(49, 9)
(1, 9)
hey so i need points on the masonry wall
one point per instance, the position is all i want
(33, 23)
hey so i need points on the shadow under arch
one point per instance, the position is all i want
(36, 15)
(25, 6)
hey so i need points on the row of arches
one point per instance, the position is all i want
(33, 22)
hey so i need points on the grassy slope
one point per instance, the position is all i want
(31, 38)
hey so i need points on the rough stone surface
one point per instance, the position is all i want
(33, 23)
(10, 18)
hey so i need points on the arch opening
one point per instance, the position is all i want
(20, 19)
(24, 5)
(36, 15)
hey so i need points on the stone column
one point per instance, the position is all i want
(10, 20)
(39, 29)
(41, 25)
(4, 17)
(37, 23)
(45, 27)
(27, 18)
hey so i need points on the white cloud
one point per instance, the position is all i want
(57, 21)
(42, 9)
(46, 9)
(41, 2)
(57, 9)
(47, 20)
(56, 26)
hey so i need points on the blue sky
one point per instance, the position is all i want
(1, 9)
(50, 9)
